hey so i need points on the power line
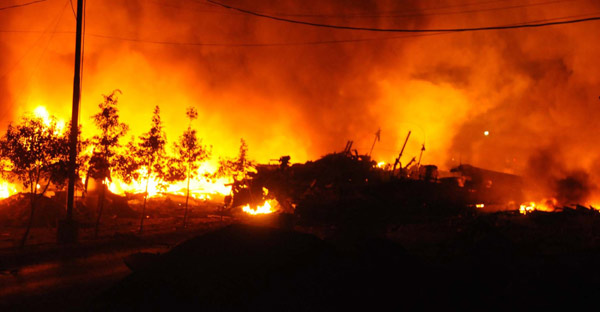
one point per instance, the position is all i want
(213, 9)
(30, 49)
(73, 9)
(277, 44)
(45, 48)
(404, 30)
(422, 12)
(273, 44)
(21, 5)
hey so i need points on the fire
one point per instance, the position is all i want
(42, 112)
(527, 208)
(381, 164)
(200, 188)
(266, 208)
(7, 189)
(545, 205)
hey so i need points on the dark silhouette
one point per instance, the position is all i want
(190, 152)
(106, 144)
(37, 152)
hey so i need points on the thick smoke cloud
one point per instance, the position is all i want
(6, 109)
(532, 89)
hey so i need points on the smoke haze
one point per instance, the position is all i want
(535, 90)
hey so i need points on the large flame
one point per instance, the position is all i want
(200, 188)
(7, 189)
(492, 99)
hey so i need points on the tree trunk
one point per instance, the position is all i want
(85, 186)
(30, 223)
(101, 197)
(187, 198)
(144, 207)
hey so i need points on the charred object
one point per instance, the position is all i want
(490, 187)
(348, 188)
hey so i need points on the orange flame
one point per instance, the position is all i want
(545, 205)
(7, 189)
(266, 208)
(200, 188)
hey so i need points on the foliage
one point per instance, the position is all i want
(106, 144)
(237, 168)
(37, 151)
(150, 151)
(147, 157)
(189, 152)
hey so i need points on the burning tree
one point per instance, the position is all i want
(104, 158)
(36, 151)
(238, 169)
(190, 153)
(147, 156)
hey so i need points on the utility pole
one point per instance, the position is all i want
(67, 230)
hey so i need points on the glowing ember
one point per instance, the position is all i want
(479, 206)
(380, 164)
(266, 208)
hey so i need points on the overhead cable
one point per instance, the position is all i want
(21, 5)
(404, 30)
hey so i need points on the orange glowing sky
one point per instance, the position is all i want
(301, 95)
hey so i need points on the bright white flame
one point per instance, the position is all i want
(7, 189)
(527, 208)
(486, 133)
(42, 112)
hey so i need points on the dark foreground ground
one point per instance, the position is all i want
(496, 261)
(50, 277)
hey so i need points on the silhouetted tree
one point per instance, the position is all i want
(190, 152)
(150, 154)
(106, 143)
(237, 168)
(37, 153)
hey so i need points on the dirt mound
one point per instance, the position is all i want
(243, 267)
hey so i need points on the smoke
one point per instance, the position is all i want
(547, 175)
(532, 89)
(5, 95)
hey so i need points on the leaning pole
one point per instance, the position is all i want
(67, 228)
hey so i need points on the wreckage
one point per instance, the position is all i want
(349, 187)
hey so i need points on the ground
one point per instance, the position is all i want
(489, 260)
